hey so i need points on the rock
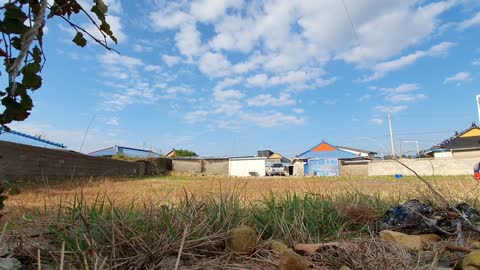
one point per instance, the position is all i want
(344, 268)
(470, 268)
(278, 246)
(472, 259)
(242, 239)
(410, 242)
(9, 264)
(290, 260)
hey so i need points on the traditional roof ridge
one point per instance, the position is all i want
(457, 134)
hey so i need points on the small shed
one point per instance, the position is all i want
(247, 166)
(321, 160)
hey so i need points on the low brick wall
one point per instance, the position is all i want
(447, 166)
(19, 161)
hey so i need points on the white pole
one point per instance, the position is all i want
(418, 149)
(391, 135)
(478, 107)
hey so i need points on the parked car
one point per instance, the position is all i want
(276, 169)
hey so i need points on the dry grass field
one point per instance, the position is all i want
(172, 189)
(144, 223)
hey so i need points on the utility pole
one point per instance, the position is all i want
(400, 147)
(391, 135)
(478, 107)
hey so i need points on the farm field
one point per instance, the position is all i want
(143, 223)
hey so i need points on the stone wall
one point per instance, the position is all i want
(353, 169)
(447, 166)
(19, 161)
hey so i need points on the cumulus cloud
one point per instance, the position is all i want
(376, 121)
(264, 100)
(171, 60)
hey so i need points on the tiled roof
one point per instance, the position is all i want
(458, 142)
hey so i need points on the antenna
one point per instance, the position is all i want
(478, 107)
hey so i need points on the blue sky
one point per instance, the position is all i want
(230, 77)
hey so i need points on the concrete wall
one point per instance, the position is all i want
(19, 161)
(215, 166)
(187, 165)
(467, 154)
(206, 166)
(453, 166)
(354, 169)
(244, 167)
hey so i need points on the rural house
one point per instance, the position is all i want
(324, 159)
(463, 144)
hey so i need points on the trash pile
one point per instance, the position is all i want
(415, 217)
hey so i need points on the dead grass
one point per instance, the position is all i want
(113, 224)
(172, 189)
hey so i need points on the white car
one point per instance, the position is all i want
(276, 169)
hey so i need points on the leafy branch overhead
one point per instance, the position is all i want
(21, 46)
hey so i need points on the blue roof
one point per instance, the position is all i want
(334, 153)
(128, 151)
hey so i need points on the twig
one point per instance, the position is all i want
(181, 247)
(460, 236)
(39, 264)
(62, 255)
(458, 248)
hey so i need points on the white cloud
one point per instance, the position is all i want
(113, 121)
(141, 48)
(260, 80)
(376, 121)
(474, 21)
(269, 120)
(188, 40)
(476, 62)
(153, 68)
(298, 110)
(391, 109)
(380, 69)
(397, 98)
(196, 116)
(222, 95)
(209, 10)
(171, 60)
(458, 78)
(264, 100)
(214, 64)
(405, 87)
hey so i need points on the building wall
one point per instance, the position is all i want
(20, 161)
(467, 154)
(216, 166)
(354, 169)
(243, 167)
(187, 165)
(453, 166)
(299, 168)
(206, 166)
(443, 155)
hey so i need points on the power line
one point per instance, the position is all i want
(351, 22)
